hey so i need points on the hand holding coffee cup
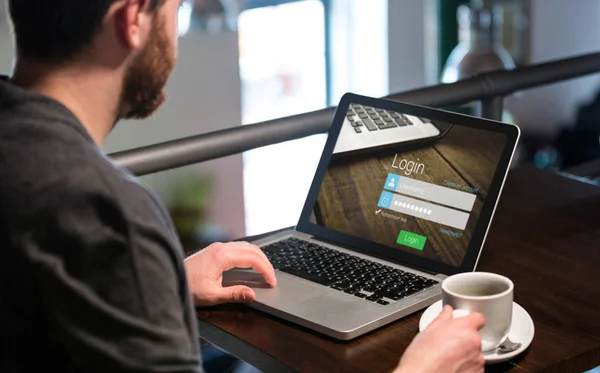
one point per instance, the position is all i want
(486, 293)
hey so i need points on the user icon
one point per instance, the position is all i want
(392, 183)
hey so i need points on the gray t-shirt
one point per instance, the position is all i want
(91, 271)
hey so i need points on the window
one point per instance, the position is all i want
(283, 72)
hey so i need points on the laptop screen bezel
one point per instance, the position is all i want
(365, 246)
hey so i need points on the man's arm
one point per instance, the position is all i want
(111, 290)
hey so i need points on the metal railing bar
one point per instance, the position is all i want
(205, 147)
(491, 108)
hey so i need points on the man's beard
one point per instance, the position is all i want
(143, 88)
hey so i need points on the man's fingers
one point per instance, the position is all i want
(239, 243)
(444, 316)
(475, 320)
(259, 251)
(248, 257)
(246, 245)
(236, 294)
(254, 248)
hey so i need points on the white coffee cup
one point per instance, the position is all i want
(487, 293)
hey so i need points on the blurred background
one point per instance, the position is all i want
(246, 61)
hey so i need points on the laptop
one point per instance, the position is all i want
(383, 225)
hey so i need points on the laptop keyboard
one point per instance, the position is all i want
(362, 278)
(366, 119)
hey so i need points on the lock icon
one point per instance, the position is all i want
(385, 200)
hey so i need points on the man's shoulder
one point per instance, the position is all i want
(40, 144)
(50, 165)
(45, 166)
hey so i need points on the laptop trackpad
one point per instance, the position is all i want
(327, 305)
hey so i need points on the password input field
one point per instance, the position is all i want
(430, 192)
(424, 210)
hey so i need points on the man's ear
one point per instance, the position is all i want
(133, 22)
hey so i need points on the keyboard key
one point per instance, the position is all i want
(389, 294)
(370, 125)
(308, 276)
(278, 265)
(360, 295)
(409, 292)
(373, 298)
(273, 248)
(344, 284)
(379, 122)
(388, 125)
(388, 119)
(354, 124)
(363, 116)
(357, 130)
(383, 302)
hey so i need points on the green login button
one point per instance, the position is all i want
(412, 240)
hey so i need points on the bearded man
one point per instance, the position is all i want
(92, 273)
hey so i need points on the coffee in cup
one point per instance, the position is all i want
(486, 293)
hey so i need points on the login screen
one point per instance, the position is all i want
(426, 200)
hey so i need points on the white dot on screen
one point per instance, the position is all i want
(404, 204)
(412, 207)
(420, 209)
(429, 212)
(395, 203)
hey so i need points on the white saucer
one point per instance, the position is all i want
(521, 330)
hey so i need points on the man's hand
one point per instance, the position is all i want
(447, 345)
(205, 272)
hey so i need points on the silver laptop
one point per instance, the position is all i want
(384, 224)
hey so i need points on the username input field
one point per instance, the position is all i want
(430, 192)
(424, 210)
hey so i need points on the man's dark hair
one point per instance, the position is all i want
(57, 29)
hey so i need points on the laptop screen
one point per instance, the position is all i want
(409, 183)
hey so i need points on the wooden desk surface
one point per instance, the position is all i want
(545, 237)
